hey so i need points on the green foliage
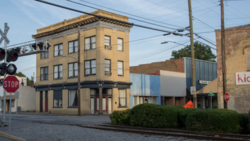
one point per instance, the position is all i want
(153, 115)
(20, 74)
(120, 117)
(183, 115)
(244, 121)
(202, 52)
(216, 120)
(139, 113)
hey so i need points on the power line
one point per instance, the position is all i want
(124, 13)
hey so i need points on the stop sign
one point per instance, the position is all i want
(11, 84)
(226, 97)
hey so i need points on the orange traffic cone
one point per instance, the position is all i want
(189, 104)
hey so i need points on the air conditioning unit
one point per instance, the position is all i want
(108, 73)
(108, 47)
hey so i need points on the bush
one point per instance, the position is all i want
(244, 120)
(216, 120)
(139, 113)
(120, 117)
(153, 115)
(183, 115)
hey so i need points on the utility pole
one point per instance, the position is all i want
(79, 85)
(223, 57)
(192, 51)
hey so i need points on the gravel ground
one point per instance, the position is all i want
(32, 131)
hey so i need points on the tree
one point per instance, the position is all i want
(20, 74)
(202, 52)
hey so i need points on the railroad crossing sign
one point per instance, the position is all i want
(4, 34)
(11, 84)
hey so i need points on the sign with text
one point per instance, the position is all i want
(193, 90)
(242, 78)
(11, 84)
(203, 82)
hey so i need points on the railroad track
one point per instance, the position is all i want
(171, 132)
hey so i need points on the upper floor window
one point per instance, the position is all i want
(44, 73)
(107, 40)
(44, 55)
(120, 44)
(90, 67)
(57, 71)
(90, 43)
(120, 68)
(107, 67)
(73, 69)
(58, 50)
(73, 46)
(248, 60)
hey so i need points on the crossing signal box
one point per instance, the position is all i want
(41, 46)
(12, 56)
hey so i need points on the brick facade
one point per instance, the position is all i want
(237, 42)
(176, 65)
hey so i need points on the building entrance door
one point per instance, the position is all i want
(46, 101)
(41, 101)
(104, 104)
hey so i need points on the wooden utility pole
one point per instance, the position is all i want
(192, 51)
(79, 66)
(223, 57)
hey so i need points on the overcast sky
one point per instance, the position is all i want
(24, 17)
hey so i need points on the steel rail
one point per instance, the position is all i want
(171, 132)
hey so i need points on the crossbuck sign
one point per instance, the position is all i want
(4, 34)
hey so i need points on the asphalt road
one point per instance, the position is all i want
(66, 119)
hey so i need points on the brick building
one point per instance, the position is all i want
(237, 47)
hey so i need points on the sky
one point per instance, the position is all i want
(24, 17)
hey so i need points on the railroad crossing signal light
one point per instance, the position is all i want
(41, 46)
(9, 69)
(3, 68)
(12, 56)
(2, 54)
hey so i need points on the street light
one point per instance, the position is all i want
(172, 42)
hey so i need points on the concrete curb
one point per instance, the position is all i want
(11, 136)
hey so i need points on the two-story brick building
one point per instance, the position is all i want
(104, 65)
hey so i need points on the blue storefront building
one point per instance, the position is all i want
(144, 89)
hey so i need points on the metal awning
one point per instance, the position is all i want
(211, 87)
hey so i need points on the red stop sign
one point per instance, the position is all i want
(11, 84)
(226, 97)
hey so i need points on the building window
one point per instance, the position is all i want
(44, 73)
(44, 55)
(107, 67)
(120, 68)
(12, 103)
(90, 67)
(122, 98)
(107, 40)
(58, 50)
(120, 44)
(73, 99)
(248, 60)
(73, 46)
(73, 69)
(58, 72)
(90, 43)
(57, 99)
